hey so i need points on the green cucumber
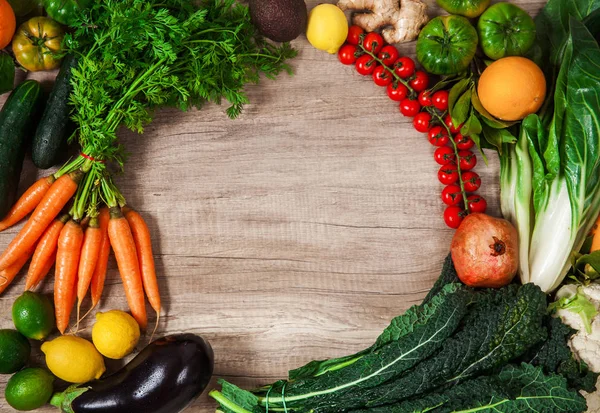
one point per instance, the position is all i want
(55, 127)
(17, 123)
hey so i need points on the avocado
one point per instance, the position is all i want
(279, 20)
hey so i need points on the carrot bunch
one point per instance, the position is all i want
(78, 242)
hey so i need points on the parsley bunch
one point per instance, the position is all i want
(138, 55)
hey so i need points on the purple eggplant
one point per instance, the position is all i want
(165, 377)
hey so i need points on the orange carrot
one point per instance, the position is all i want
(46, 270)
(27, 203)
(123, 245)
(143, 245)
(67, 263)
(102, 264)
(90, 252)
(45, 249)
(8, 275)
(50, 206)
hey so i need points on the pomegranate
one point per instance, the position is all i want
(485, 251)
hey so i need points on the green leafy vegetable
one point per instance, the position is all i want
(515, 389)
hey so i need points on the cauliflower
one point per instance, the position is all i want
(578, 306)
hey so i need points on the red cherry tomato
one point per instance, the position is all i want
(365, 65)
(453, 216)
(354, 33)
(420, 82)
(347, 54)
(404, 67)
(477, 203)
(467, 160)
(382, 76)
(397, 93)
(440, 100)
(463, 143)
(448, 174)
(444, 155)
(438, 136)
(373, 42)
(422, 122)
(452, 195)
(425, 98)
(471, 181)
(409, 107)
(448, 122)
(388, 55)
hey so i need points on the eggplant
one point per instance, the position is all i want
(165, 377)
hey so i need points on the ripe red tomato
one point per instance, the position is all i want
(425, 98)
(444, 155)
(365, 65)
(420, 82)
(477, 203)
(409, 107)
(347, 54)
(438, 136)
(453, 216)
(398, 92)
(440, 100)
(452, 195)
(463, 142)
(373, 42)
(382, 77)
(422, 122)
(354, 33)
(448, 174)
(471, 181)
(404, 67)
(448, 122)
(388, 55)
(466, 160)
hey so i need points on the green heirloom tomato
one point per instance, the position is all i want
(467, 8)
(447, 45)
(65, 11)
(37, 42)
(506, 30)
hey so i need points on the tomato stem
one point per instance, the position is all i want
(389, 69)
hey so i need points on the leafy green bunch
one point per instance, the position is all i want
(135, 56)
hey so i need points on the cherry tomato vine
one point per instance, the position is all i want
(429, 109)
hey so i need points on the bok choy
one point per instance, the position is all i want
(550, 179)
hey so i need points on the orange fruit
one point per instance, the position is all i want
(8, 23)
(512, 88)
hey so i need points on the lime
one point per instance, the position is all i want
(115, 334)
(14, 351)
(33, 315)
(73, 359)
(29, 389)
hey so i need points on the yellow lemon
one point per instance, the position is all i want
(327, 28)
(73, 359)
(115, 334)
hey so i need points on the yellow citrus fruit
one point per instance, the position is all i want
(327, 28)
(73, 359)
(115, 334)
(512, 88)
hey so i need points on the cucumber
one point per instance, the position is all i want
(55, 127)
(17, 122)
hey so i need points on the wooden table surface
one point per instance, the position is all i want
(293, 233)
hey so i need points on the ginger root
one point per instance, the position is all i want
(402, 19)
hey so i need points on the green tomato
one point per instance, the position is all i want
(447, 45)
(506, 30)
(467, 8)
(65, 11)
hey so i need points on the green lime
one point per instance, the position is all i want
(14, 351)
(33, 315)
(29, 389)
